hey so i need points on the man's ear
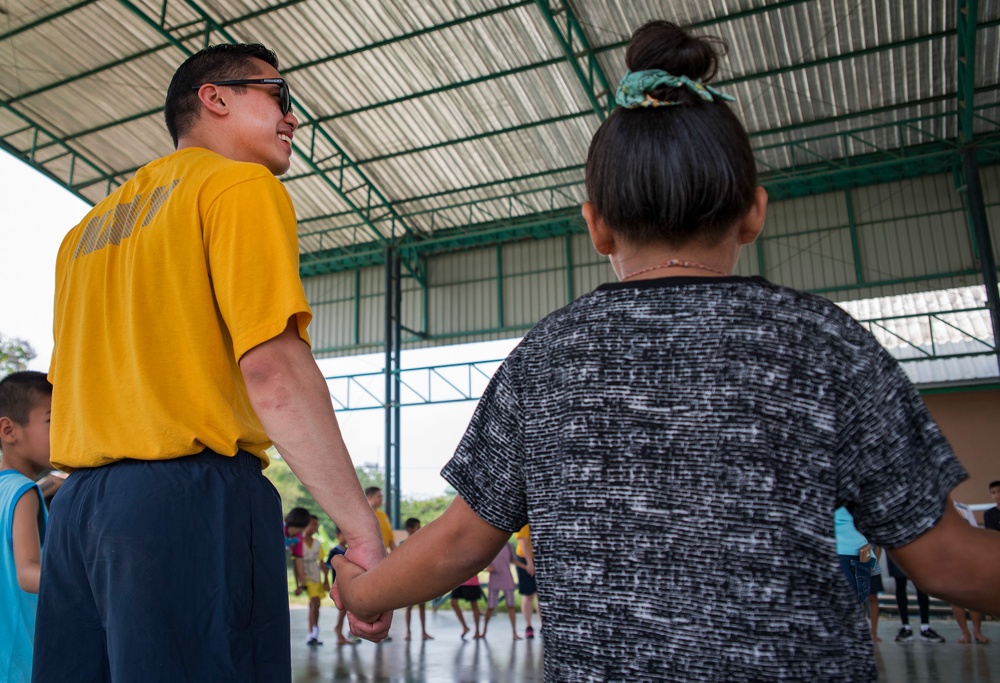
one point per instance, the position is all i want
(214, 99)
(601, 235)
(752, 223)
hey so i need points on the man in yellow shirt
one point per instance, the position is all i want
(374, 495)
(181, 354)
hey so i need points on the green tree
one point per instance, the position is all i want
(14, 355)
(424, 510)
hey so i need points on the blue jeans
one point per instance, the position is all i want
(859, 575)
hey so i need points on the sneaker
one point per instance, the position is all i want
(930, 636)
(529, 633)
(312, 641)
(905, 635)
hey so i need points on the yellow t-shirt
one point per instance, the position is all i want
(386, 526)
(160, 290)
(523, 535)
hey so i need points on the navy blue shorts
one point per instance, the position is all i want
(525, 582)
(164, 571)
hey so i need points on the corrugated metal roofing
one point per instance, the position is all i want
(425, 119)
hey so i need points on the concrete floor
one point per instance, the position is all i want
(448, 658)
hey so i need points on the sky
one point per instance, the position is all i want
(35, 213)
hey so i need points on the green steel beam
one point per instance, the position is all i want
(453, 382)
(406, 36)
(929, 159)
(732, 81)
(142, 53)
(966, 24)
(570, 37)
(374, 205)
(443, 88)
(478, 136)
(29, 156)
(46, 19)
(880, 166)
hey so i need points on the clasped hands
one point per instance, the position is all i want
(367, 625)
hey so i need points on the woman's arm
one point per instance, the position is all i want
(446, 552)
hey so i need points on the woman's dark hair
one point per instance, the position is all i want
(672, 174)
(214, 63)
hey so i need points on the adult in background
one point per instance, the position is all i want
(181, 354)
(675, 437)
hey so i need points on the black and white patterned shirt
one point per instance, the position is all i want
(679, 447)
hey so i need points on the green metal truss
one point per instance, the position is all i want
(576, 46)
(455, 382)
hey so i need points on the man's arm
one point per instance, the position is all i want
(26, 542)
(446, 552)
(954, 561)
(292, 401)
(299, 571)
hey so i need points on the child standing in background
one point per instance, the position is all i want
(339, 549)
(25, 406)
(317, 577)
(412, 527)
(501, 582)
(295, 523)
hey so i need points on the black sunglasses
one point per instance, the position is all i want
(284, 96)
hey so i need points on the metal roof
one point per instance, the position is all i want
(435, 126)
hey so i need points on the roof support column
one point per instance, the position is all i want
(984, 244)
(393, 349)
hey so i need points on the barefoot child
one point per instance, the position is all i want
(413, 526)
(339, 549)
(501, 582)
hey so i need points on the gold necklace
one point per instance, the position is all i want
(675, 263)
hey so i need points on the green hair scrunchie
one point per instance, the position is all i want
(635, 86)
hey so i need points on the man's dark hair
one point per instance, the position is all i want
(994, 483)
(371, 490)
(297, 517)
(214, 63)
(672, 174)
(412, 523)
(20, 392)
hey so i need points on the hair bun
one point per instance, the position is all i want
(666, 46)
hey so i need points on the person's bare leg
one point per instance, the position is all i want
(526, 605)
(513, 622)
(458, 610)
(873, 617)
(486, 620)
(313, 615)
(977, 627)
(423, 623)
(341, 640)
(475, 616)
(408, 611)
(963, 625)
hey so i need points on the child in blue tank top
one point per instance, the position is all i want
(25, 404)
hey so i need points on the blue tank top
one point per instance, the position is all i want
(17, 608)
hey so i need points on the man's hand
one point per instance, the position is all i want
(359, 558)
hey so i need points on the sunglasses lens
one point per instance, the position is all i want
(286, 99)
